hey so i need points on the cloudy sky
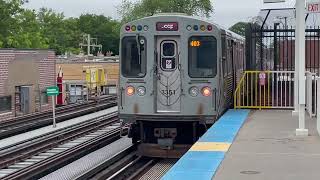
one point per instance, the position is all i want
(226, 12)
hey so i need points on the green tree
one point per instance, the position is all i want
(8, 11)
(27, 32)
(131, 10)
(239, 28)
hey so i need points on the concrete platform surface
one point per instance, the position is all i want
(266, 148)
(38, 132)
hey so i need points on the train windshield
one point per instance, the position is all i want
(202, 57)
(133, 59)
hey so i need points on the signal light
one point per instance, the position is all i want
(145, 28)
(139, 28)
(130, 91)
(195, 27)
(128, 28)
(203, 27)
(206, 91)
(189, 28)
(133, 28)
(209, 27)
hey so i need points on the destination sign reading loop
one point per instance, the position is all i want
(167, 26)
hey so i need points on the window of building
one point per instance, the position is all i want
(202, 56)
(133, 60)
(5, 104)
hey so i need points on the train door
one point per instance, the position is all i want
(168, 75)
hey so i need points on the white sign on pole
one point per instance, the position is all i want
(273, 1)
(313, 7)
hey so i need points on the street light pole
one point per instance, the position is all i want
(300, 54)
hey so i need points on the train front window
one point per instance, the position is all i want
(202, 57)
(133, 56)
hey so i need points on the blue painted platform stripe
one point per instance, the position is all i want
(202, 165)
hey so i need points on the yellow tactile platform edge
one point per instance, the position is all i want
(210, 146)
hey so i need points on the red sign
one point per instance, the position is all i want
(313, 7)
(167, 26)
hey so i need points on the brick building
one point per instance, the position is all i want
(24, 76)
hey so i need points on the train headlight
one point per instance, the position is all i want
(130, 91)
(194, 91)
(141, 91)
(206, 91)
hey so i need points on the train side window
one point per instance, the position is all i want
(202, 57)
(230, 56)
(133, 56)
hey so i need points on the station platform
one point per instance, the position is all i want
(38, 132)
(265, 148)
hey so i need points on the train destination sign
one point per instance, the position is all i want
(167, 26)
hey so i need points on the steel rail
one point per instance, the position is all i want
(54, 162)
(41, 121)
(21, 151)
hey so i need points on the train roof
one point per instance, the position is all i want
(183, 15)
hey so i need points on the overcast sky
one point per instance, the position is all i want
(226, 12)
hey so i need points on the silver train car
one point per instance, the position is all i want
(177, 76)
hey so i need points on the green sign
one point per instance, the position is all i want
(53, 91)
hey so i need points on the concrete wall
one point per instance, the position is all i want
(35, 68)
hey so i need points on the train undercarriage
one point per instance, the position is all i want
(165, 139)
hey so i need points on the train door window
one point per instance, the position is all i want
(6, 104)
(133, 60)
(168, 55)
(230, 56)
(224, 55)
(202, 57)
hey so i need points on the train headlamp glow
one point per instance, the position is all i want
(141, 91)
(194, 91)
(206, 91)
(130, 91)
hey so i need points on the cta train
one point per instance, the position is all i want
(177, 76)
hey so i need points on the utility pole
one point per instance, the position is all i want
(89, 42)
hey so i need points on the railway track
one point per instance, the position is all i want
(37, 120)
(127, 165)
(41, 155)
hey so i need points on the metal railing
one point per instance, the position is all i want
(265, 90)
(311, 93)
